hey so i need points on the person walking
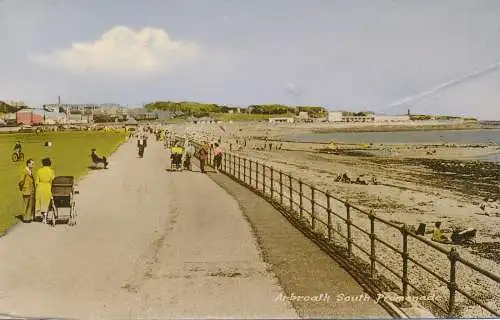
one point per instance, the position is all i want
(27, 188)
(217, 157)
(176, 155)
(44, 178)
(203, 156)
(189, 153)
(141, 145)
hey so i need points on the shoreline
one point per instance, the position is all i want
(402, 128)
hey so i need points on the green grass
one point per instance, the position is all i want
(177, 120)
(70, 155)
(246, 116)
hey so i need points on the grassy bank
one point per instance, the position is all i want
(70, 155)
(242, 116)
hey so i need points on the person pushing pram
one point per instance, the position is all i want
(176, 156)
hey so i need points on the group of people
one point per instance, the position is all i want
(36, 189)
(181, 157)
(181, 154)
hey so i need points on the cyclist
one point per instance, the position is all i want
(18, 148)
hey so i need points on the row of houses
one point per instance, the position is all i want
(48, 115)
(38, 117)
(339, 116)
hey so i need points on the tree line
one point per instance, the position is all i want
(7, 108)
(198, 109)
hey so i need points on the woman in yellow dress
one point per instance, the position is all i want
(44, 178)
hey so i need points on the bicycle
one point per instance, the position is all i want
(17, 156)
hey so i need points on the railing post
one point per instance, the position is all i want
(349, 222)
(301, 205)
(452, 285)
(234, 165)
(281, 187)
(256, 175)
(225, 161)
(329, 213)
(264, 178)
(373, 258)
(313, 211)
(290, 192)
(250, 172)
(405, 255)
(272, 183)
(239, 167)
(245, 170)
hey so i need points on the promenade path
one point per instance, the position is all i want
(148, 244)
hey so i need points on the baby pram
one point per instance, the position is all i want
(176, 161)
(63, 196)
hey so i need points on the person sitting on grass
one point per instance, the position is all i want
(98, 159)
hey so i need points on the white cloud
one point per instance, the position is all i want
(122, 50)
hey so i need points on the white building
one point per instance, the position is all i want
(386, 118)
(303, 115)
(281, 120)
(335, 116)
(354, 118)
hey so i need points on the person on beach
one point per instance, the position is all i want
(217, 157)
(203, 156)
(44, 178)
(438, 235)
(27, 188)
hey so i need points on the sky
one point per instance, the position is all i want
(387, 56)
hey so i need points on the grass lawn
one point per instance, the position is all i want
(70, 155)
(245, 116)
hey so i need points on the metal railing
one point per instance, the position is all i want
(340, 223)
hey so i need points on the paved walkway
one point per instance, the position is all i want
(148, 243)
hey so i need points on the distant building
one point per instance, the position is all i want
(281, 120)
(54, 118)
(77, 118)
(388, 118)
(335, 116)
(303, 115)
(163, 114)
(131, 124)
(358, 117)
(142, 114)
(28, 117)
(204, 120)
(10, 118)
